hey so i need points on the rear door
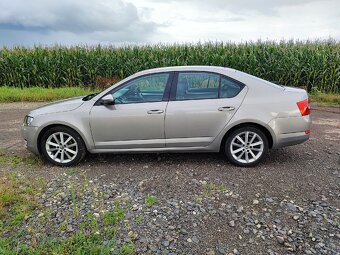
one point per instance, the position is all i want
(200, 106)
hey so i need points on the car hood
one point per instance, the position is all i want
(58, 106)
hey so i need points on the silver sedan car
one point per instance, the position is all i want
(173, 109)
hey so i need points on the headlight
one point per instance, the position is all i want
(28, 120)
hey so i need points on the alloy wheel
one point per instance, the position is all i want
(246, 147)
(61, 147)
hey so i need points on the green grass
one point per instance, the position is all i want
(215, 186)
(139, 219)
(323, 98)
(291, 63)
(127, 249)
(15, 160)
(74, 202)
(18, 201)
(211, 188)
(36, 94)
(112, 218)
(150, 200)
(78, 243)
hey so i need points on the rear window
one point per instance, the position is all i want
(229, 88)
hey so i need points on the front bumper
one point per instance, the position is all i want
(29, 134)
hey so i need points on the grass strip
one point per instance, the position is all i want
(37, 94)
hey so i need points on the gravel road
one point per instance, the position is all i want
(289, 204)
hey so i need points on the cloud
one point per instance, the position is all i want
(244, 20)
(268, 7)
(71, 22)
(110, 20)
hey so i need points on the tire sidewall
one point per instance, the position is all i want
(80, 143)
(238, 131)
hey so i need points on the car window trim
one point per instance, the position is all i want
(242, 85)
(166, 93)
(167, 90)
(173, 90)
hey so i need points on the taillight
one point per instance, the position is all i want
(304, 107)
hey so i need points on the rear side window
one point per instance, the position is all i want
(229, 88)
(197, 85)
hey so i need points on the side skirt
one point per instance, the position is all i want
(158, 150)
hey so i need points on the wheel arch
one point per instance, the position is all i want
(49, 126)
(264, 129)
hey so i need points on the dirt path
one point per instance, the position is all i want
(210, 219)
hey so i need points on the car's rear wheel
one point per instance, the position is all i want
(62, 146)
(246, 146)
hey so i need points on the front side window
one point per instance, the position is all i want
(197, 85)
(148, 88)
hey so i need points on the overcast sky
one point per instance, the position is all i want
(117, 22)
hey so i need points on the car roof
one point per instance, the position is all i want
(216, 69)
(245, 78)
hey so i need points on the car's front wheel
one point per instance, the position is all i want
(246, 146)
(62, 146)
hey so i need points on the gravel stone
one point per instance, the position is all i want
(278, 207)
(280, 239)
(255, 202)
(232, 223)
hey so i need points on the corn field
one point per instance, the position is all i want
(314, 65)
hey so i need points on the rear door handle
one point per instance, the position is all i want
(155, 111)
(226, 108)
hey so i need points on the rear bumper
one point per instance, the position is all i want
(290, 131)
(291, 139)
(29, 133)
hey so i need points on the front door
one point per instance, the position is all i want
(136, 120)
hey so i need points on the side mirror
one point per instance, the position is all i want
(107, 100)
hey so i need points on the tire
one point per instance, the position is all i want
(67, 153)
(243, 151)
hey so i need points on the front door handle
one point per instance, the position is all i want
(226, 108)
(155, 111)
